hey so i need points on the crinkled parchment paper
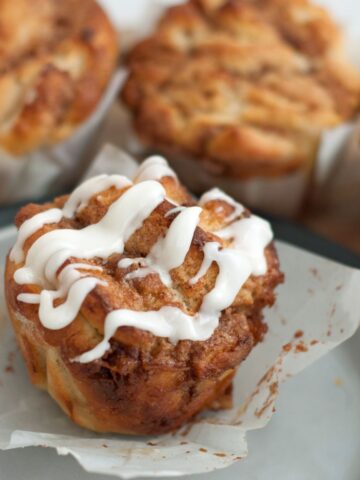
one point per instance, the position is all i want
(317, 309)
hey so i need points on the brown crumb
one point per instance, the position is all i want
(273, 390)
(9, 367)
(104, 445)
(287, 347)
(298, 334)
(152, 444)
(219, 454)
(314, 342)
(301, 347)
(315, 273)
(203, 450)
(237, 458)
(338, 382)
(184, 443)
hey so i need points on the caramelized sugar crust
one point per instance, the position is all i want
(144, 384)
(244, 86)
(56, 58)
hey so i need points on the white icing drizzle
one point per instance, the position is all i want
(170, 322)
(217, 194)
(251, 236)
(154, 168)
(126, 215)
(173, 323)
(55, 318)
(102, 239)
(29, 227)
(168, 252)
(31, 298)
(177, 209)
(83, 193)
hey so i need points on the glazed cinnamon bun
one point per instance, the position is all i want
(133, 303)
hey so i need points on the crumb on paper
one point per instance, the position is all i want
(273, 391)
(184, 443)
(219, 454)
(315, 272)
(104, 445)
(287, 347)
(314, 342)
(152, 444)
(9, 367)
(202, 449)
(298, 334)
(339, 287)
(338, 382)
(301, 347)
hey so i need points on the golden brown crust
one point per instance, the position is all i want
(144, 384)
(53, 70)
(244, 85)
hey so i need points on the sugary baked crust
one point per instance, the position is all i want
(144, 384)
(245, 86)
(56, 59)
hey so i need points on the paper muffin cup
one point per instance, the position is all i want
(55, 169)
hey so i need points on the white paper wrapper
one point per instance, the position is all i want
(139, 17)
(53, 170)
(317, 309)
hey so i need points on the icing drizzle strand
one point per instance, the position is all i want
(48, 254)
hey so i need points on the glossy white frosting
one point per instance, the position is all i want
(84, 192)
(29, 227)
(154, 168)
(48, 254)
(217, 194)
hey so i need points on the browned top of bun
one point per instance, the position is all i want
(56, 58)
(246, 86)
(149, 293)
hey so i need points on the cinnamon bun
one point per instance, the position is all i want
(133, 303)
